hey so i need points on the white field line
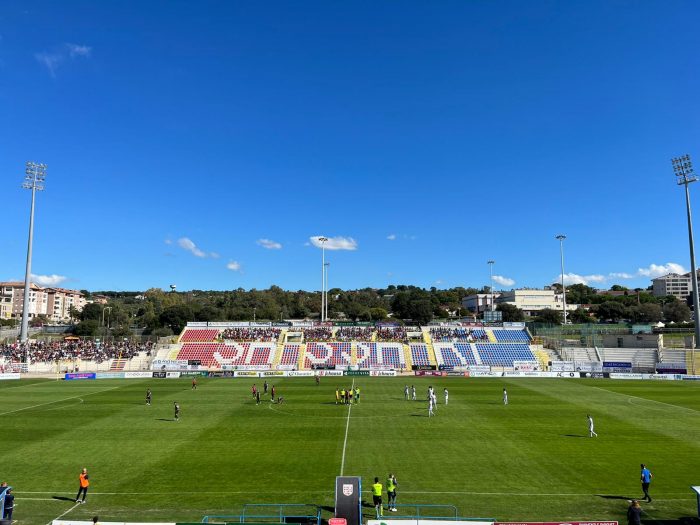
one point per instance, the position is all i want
(643, 399)
(66, 512)
(57, 401)
(347, 427)
(468, 493)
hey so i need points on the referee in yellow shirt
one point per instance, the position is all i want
(377, 498)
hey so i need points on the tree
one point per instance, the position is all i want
(646, 313)
(580, 316)
(612, 310)
(677, 312)
(511, 313)
(87, 328)
(549, 316)
(618, 288)
(91, 311)
(176, 317)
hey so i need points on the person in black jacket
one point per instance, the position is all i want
(634, 513)
(9, 505)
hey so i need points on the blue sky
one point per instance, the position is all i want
(205, 143)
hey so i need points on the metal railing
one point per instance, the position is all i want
(283, 513)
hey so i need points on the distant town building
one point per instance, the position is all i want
(479, 302)
(54, 303)
(680, 286)
(530, 300)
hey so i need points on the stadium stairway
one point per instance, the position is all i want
(542, 356)
(431, 353)
(407, 356)
(489, 334)
(117, 364)
(280, 349)
(477, 357)
(302, 356)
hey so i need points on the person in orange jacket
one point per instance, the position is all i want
(84, 484)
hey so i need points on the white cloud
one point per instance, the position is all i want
(214, 255)
(620, 275)
(234, 266)
(52, 60)
(503, 281)
(75, 50)
(168, 241)
(268, 244)
(187, 244)
(48, 280)
(657, 270)
(391, 237)
(574, 278)
(335, 243)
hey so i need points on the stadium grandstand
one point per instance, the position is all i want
(302, 345)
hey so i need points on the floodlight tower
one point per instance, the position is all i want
(561, 238)
(327, 267)
(34, 177)
(491, 263)
(323, 240)
(683, 169)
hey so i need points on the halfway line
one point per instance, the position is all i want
(347, 427)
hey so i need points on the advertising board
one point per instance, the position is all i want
(526, 366)
(172, 375)
(80, 375)
(556, 523)
(9, 376)
(304, 373)
(383, 372)
(112, 375)
(139, 375)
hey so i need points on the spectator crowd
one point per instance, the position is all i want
(318, 334)
(396, 334)
(354, 333)
(49, 351)
(257, 335)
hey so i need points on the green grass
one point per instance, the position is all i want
(527, 461)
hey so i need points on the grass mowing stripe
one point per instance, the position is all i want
(57, 401)
(347, 427)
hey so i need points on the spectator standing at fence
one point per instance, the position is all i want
(9, 505)
(391, 492)
(634, 513)
(377, 498)
(646, 480)
(83, 484)
(148, 397)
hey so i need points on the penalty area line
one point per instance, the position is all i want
(58, 401)
(347, 427)
(66, 512)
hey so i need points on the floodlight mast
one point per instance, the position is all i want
(491, 263)
(327, 267)
(561, 238)
(34, 177)
(683, 168)
(323, 240)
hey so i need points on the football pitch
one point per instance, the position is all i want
(531, 460)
